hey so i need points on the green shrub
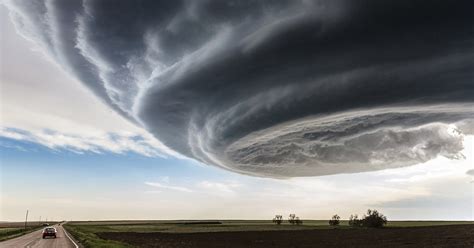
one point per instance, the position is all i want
(354, 221)
(334, 221)
(372, 219)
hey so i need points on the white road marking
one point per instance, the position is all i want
(67, 235)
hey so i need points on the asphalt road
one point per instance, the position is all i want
(34, 240)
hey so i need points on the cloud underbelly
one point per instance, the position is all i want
(280, 89)
(349, 142)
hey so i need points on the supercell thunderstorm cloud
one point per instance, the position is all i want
(274, 88)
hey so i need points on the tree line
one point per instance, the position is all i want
(372, 218)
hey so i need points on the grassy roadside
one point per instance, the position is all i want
(89, 239)
(10, 233)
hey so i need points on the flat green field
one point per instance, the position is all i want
(86, 231)
(12, 232)
(8, 229)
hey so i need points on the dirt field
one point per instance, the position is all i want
(433, 236)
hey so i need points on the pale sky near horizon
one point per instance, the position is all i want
(66, 155)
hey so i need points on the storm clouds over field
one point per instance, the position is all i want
(275, 88)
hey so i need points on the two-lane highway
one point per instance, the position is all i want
(35, 240)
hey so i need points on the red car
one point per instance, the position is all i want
(49, 232)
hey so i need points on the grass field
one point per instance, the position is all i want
(87, 232)
(22, 224)
(13, 232)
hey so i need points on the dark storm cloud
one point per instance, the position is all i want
(275, 88)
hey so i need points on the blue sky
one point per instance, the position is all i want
(37, 164)
(65, 154)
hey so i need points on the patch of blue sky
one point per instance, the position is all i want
(35, 163)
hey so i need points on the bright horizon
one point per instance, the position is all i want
(66, 154)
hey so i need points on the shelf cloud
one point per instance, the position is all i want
(277, 88)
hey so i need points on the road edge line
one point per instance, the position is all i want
(69, 237)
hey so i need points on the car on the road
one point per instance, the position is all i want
(49, 232)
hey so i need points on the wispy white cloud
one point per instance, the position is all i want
(223, 187)
(165, 179)
(99, 142)
(205, 187)
(12, 146)
(167, 186)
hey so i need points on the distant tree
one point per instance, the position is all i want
(374, 219)
(278, 219)
(298, 221)
(294, 220)
(354, 221)
(334, 221)
(291, 219)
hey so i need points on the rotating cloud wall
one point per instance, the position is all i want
(274, 88)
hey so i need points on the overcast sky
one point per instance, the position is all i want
(238, 110)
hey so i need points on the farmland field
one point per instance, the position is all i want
(10, 230)
(256, 233)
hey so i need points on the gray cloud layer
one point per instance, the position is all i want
(278, 88)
